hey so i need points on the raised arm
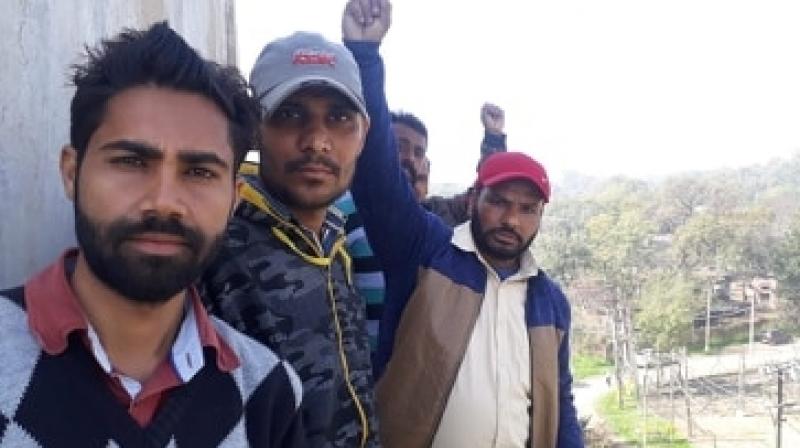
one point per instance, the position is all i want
(399, 229)
(493, 118)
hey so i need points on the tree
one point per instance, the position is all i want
(666, 310)
(787, 262)
(561, 245)
(621, 193)
(620, 248)
(752, 242)
(620, 253)
(703, 241)
(680, 197)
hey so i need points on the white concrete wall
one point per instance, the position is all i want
(39, 39)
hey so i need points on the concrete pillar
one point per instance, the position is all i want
(39, 39)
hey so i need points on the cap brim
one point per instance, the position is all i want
(503, 177)
(279, 93)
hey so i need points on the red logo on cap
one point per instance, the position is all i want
(313, 57)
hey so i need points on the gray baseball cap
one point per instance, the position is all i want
(302, 60)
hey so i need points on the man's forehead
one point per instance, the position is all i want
(164, 120)
(402, 128)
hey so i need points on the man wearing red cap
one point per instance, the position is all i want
(480, 352)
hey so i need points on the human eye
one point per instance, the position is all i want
(286, 114)
(495, 200)
(128, 161)
(341, 115)
(201, 173)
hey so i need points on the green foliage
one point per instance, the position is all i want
(787, 261)
(628, 423)
(666, 308)
(613, 238)
(737, 242)
(584, 366)
(679, 199)
(620, 247)
(702, 241)
(727, 336)
(561, 245)
(621, 193)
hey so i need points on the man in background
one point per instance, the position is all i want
(412, 148)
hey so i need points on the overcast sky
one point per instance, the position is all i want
(635, 87)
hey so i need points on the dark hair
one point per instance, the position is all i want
(411, 121)
(158, 56)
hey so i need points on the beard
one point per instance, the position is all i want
(142, 278)
(483, 241)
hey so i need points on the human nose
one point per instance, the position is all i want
(164, 195)
(511, 216)
(316, 137)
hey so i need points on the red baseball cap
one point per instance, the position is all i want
(502, 166)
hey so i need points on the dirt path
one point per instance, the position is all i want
(586, 392)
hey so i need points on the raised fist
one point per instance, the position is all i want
(493, 118)
(366, 20)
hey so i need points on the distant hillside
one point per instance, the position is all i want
(446, 189)
(742, 222)
(769, 178)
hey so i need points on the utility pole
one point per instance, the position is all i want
(658, 366)
(616, 349)
(779, 420)
(644, 398)
(630, 345)
(672, 393)
(740, 391)
(752, 322)
(708, 319)
(686, 396)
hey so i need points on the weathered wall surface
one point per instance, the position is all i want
(39, 39)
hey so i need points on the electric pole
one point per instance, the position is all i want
(616, 349)
(708, 319)
(740, 391)
(779, 420)
(686, 396)
(752, 322)
(644, 399)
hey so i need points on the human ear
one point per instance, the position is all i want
(68, 165)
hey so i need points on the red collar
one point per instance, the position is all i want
(54, 313)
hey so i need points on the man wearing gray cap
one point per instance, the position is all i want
(283, 275)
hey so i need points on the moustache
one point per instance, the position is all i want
(506, 231)
(126, 230)
(298, 164)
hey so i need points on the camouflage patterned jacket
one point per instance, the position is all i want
(278, 283)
